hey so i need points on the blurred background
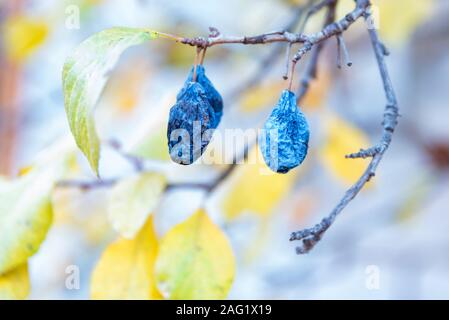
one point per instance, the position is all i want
(395, 230)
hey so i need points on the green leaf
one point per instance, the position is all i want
(195, 261)
(84, 76)
(132, 200)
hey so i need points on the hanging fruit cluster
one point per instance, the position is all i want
(198, 111)
(193, 118)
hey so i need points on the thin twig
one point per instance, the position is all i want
(210, 187)
(287, 61)
(342, 48)
(286, 36)
(314, 9)
(137, 163)
(311, 69)
(339, 64)
(331, 29)
(292, 73)
(310, 237)
(266, 64)
(86, 185)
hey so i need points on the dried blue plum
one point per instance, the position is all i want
(213, 95)
(285, 140)
(190, 124)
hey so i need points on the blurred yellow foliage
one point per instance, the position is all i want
(318, 89)
(125, 269)
(418, 192)
(396, 19)
(86, 211)
(343, 138)
(265, 95)
(15, 284)
(154, 146)
(256, 188)
(195, 261)
(25, 205)
(297, 2)
(123, 89)
(25, 217)
(400, 18)
(22, 36)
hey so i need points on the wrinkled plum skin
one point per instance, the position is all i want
(213, 96)
(192, 106)
(287, 149)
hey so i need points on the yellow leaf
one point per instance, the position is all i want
(15, 284)
(25, 216)
(342, 139)
(132, 200)
(126, 268)
(195, 261)
(256, 188)
(25, 207)
(22, 36)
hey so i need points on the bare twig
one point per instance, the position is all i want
(86, 185)
(342, 48)
(136, 162)
(210, 187)
(314, 9)
(310, 237)
(285, 36)
(311, 69)
(331, 30)
(287, 61)
(265, 64)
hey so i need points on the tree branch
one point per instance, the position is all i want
(311, 69)
(310, 237)
(284, 36)
(314, 42)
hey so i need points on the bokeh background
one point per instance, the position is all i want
(396, 228)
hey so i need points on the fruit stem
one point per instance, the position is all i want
(195, 64)
(292, 72)
(203, 55)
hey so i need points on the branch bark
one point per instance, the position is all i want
(310, 237)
